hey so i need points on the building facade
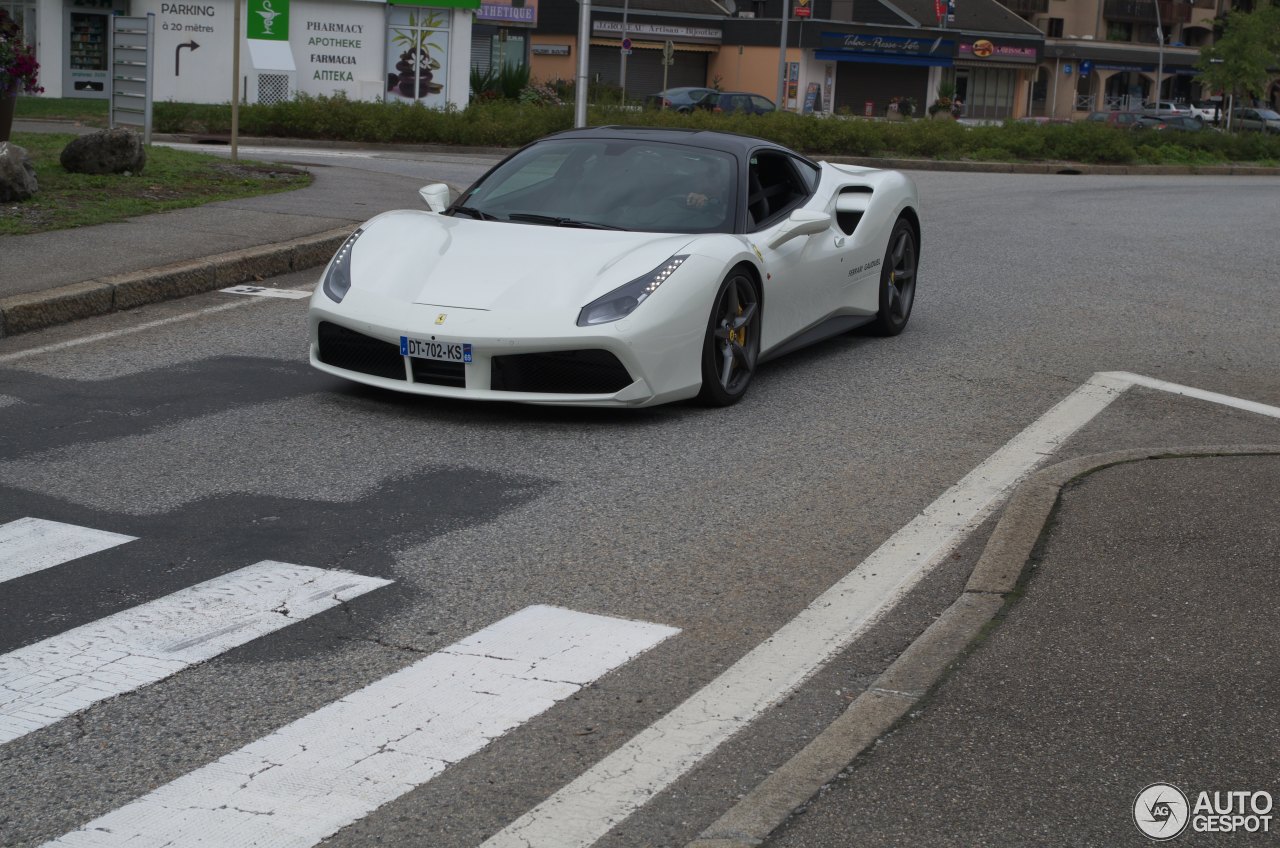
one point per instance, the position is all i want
(1056, 58)
(842, 55)
(364, 49)
(1106, 54)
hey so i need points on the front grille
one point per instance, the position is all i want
(439, 373)
(570, 372)
(352, 351)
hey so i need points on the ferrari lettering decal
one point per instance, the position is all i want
(870, 266)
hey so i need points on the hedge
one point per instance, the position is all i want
(502, 123)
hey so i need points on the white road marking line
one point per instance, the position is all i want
(126, 331)
(588, 807)
(29, 545)
(1198, 394)
(50, 680)
(311, 778)
(265, 291)
(585, 810)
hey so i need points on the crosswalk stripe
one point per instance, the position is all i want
(306, 781)
(29, 545)
(50, 680)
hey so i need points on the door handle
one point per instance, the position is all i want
(839, 241)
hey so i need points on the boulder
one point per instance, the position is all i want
(105, 152)
(17, 176)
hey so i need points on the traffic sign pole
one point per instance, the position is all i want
(668, 56)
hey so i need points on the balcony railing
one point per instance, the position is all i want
(1145, 11)
(1026, 7)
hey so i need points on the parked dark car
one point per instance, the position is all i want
(1180, 123)
(1124, 120)
(684, 99)
(741, 101)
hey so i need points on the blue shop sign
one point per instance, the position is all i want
(889, 49)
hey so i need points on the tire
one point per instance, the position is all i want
(732, 343)
(897, 281)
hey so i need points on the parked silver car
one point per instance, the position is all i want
(1165, 109)
(1267, 120)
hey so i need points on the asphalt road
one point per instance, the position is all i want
(210, 440)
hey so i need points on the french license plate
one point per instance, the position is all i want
(443, 351)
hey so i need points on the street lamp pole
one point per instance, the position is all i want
(782, 56)
(622, 67)
(1160, 65)
(584, 49)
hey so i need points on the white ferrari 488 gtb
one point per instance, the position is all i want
(619, 266)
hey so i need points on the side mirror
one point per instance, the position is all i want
(436, 196)
(802, 222)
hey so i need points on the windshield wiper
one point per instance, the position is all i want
(474, 213)
(555, 221)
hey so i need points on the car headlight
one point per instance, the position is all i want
(623, 300)
(337, 279)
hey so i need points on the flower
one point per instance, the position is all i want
(18, 66)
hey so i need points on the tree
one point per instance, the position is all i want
(1245, 59)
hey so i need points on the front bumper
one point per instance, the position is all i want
(628, 363)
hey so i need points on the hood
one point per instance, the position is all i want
(462, 263)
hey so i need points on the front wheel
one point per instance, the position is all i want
(897, 281)
(732, 343)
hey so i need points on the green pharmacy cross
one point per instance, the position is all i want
(268, 20)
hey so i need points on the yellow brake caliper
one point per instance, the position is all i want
(739, 336)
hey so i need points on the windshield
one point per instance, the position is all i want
(611, 184)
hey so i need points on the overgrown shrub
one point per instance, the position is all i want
(510, 123)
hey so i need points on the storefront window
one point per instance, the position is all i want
(990, 93)
(88, 42)
(24, 13)
(507, 50)
(417, 55)
(84, 68)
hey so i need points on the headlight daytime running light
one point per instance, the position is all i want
(623, 300)
(337, 279)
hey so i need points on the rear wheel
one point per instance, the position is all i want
(897, 281)
(733, 341)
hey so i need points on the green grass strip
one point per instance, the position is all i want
(171, 179)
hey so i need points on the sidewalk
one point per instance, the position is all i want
(50, 278)
(1139, 648)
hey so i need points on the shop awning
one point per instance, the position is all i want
(883, 58)
(271, 55)
(681, 47)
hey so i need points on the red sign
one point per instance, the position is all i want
(802, 11)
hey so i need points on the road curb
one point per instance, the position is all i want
(997, 575)
(24, 313)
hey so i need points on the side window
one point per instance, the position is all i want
(808, 172)
(762, 103)
(774, 188)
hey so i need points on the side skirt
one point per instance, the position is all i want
(833, 326)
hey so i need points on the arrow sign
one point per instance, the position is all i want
(177, 54)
